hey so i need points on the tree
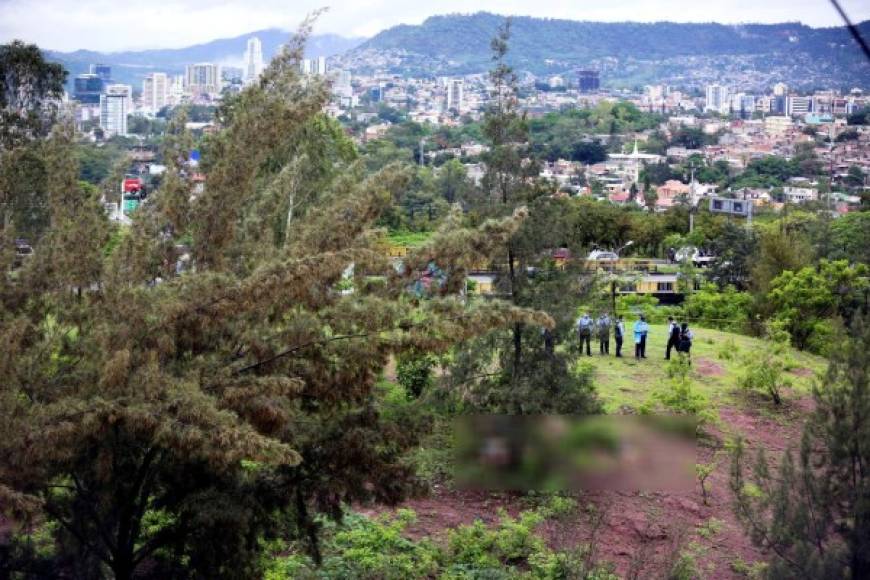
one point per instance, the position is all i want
(804, 302)
(814, 513)
(452, 181)
(182, 418)
(29, 95)
(29, 85)
(516, 372)
(735, 250)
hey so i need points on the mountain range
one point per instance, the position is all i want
(627, 54)
(131, 66)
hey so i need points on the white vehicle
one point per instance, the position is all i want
(602, 255)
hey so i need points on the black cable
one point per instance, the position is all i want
(853, 29)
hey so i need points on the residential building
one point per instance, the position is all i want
(253, 60)
(777, 125)
(114, 108)
(155, 91)
(799, 194)
(203, 78)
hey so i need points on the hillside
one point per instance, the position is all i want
(131, 66)
(649, 525)
(624, 50)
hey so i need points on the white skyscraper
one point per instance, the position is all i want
(253, 60)
(718, 99)
(155, 91)
(114, 108)
(321, 65)
(455, 90)
(203, 79)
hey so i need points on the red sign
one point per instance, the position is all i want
(134, 184)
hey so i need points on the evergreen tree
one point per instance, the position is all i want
(531, 376)
(164, 422)
(813, 514)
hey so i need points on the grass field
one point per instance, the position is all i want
(628, 382)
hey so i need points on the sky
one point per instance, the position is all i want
(108, 25)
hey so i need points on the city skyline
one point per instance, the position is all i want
(104, 26)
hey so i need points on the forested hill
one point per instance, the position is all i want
(460, 43)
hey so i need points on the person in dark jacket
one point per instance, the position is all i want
(603, 329)
(673, 337)
(618, 334)
(685, 344)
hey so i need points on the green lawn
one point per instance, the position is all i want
(627, 381)
(409, 238)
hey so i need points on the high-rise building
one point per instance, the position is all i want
(155, 91)
(87, 89)
(798, 105)
(114, 108)
(253, 60)
(321, 65)
(780, 90)
(103, 71)
(203, 78)
(588, 81)
(455, 93)
(717, 99)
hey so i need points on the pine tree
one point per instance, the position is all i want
(531, 377)
(813, 514)
(178, 418)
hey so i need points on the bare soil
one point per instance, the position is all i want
(642, 533)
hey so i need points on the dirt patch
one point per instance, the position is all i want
(641, 530)
(707, 368)
(802, 372)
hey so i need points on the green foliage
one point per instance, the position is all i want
(414, 373)
(811, 515)
(727, 309)
(679, 395)
(764, 368)
(377, 548)
(804, 302)
(31, 90)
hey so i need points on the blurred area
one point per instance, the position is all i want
(564, 453)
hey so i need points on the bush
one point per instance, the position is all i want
(679, 396)
(712, 308)
(763, 371)
(415, 373)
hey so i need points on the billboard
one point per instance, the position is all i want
(730, 206)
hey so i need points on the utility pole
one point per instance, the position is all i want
(422, 158)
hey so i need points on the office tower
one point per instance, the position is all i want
(798, 105)
(155, 91)
(780, 89)
(320, 65)
(114, 108)
(455, 90)
(717, 99)
(253, 60)
(103, 71)
(87, 89)
(203, 78)
(588, 81)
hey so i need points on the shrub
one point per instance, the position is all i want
(765, 367)
(679, 396)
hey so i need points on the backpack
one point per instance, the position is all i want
(685, 341)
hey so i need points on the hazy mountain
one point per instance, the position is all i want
(131, 66)
(626, 50)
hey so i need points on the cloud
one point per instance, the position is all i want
(111, 25)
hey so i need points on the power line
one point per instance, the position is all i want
(852, 29)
